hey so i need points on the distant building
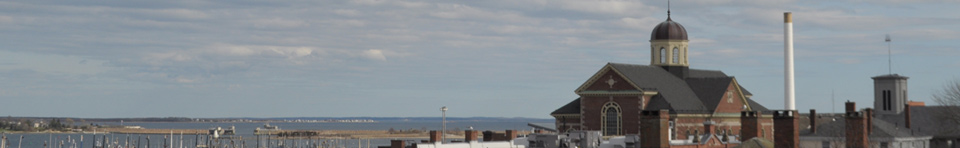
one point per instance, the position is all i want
(612, 99)
(894, 122)
(835, 131)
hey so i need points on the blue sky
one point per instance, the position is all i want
(496, 58)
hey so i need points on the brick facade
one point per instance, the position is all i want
(787, 133)
(591, 109)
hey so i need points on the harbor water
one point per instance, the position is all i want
(244, 130)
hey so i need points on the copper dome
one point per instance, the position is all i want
(669, 30)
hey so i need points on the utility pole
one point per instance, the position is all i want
(443, 133)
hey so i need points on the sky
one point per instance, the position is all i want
(491, 58)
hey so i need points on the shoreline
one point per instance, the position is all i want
(334, 134)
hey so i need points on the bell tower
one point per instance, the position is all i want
(668, 47)
(890, 94)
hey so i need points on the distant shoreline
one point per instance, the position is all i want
(289, 119)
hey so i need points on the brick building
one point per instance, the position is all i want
(611, 101)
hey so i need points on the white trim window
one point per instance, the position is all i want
(610, 121)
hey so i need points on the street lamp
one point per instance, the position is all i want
(443, 133)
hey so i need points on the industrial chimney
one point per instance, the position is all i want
(789, 100)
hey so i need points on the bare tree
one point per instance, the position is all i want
(949, 111)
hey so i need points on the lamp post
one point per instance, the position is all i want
(443, 132)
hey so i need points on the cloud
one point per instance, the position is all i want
(347, 12)
(290, 49)
(186, 14)
(374, 54)
(279, 23)
(6, 19)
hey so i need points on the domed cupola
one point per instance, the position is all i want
(668, 44)
(669, 30)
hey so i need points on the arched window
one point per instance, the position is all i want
(663, 55)
(676, 55)
(611, 119)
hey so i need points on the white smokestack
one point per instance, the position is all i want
(789, 100)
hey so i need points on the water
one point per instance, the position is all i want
(36, 140)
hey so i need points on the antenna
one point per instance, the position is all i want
(889, 56)
(832, 102)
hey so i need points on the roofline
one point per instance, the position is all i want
(871, 138)
(566, 115)
(890, 76)
(740, 92)
(617, 93)
(597, 75)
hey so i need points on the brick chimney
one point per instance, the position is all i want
(851, 106)
(856, 130)
(654, 129)
(813, 120)
(510, 135)
(786, 129)
(397, 144)
(470, 135)
(868, 115)
(488, 135)
(906, 115)
(709, 127)
(749, 125)
(434, 136)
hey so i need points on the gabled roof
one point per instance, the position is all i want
(756, 106)
(657, 102)
(700, 73)
(710, 90)
(679, 94)
(571, 108)
(700, 92)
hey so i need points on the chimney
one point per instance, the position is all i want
(488, 135)
(470, 135)
(789, 100)
(856, 130)
(868, 115)
(813, 120)
(851, 106)
(906, 115)
(510, 134)
(709, 127)
(397, 144)
(653, 128)
(749, 125)
(786, 129)
(434, 136)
